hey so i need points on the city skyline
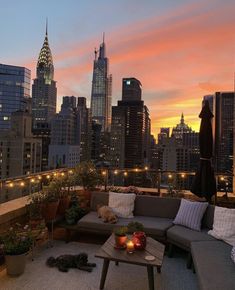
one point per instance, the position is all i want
(179, 52)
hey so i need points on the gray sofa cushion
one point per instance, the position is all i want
(214, 267)
(182, 236)
(154, 206)
(190, 214)
(152, 226)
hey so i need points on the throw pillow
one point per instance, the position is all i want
(233, 254)
(224, 225)
(122, 204)
(190, 214)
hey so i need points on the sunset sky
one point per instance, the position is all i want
(180, 50)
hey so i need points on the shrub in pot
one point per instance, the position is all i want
(35, 210)
(120, 236)
(135, 227)
(75, 212)
(16, 243)
(86, 175)
(50, 196)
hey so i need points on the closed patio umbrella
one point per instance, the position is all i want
(204, 183)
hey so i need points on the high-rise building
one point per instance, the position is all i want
(131, 117)
(164, 133)
(64, 150)
(180, 129)
(101, 94)
(14, 92)
(85, 129)
(224, 130)
(20, 151)
(44, 94)
(44, 89)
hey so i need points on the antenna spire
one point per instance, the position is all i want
(103, 36)
(46, 25)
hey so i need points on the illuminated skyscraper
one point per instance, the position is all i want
(44, 89)
(101, 94)
(44, 99)
(14, 92)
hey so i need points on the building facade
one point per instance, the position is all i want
(224, 130)
(64, 149)
(101, 94)
(44, 93)
(14, 92)
(20, 151)
(130, 135)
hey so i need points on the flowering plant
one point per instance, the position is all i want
(17, 240)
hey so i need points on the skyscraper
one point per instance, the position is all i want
(64, 150)
(101, 94)
(44, 89)
(44, 94)
(131, 116)
(224, 118)
(14, 92)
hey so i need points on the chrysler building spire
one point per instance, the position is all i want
(45, 68)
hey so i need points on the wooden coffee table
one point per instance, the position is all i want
(109, 253)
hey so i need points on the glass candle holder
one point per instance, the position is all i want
(139, 239)
(130, 247)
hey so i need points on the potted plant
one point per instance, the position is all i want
(75, 212)
(16, 243)
(86, 175)
(35, 210)
(135, 227)
(64, 185)
(50, 196)
(120, 236)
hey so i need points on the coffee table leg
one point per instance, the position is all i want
(150, 277)
(104, 273)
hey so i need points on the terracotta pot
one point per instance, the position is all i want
(49, 210)
(120, 241)
(15, 264)
(63, 205)
(34, 223)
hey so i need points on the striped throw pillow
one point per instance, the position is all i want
(190, 214)
(224, 225)
(233, 254)
(122, 204)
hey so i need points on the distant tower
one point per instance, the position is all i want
(44, 99)
(101, 94)
(44, 89)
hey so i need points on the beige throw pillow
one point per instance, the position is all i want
(122, 204)
(224, 225)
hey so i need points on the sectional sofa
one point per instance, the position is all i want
(211, 258)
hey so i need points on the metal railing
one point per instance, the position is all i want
(15, 187)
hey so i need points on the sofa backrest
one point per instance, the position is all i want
(208, 218)
(99, 198)
(144, 205)
(163, 207)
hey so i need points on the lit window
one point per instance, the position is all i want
(5, 118)
(128, 82)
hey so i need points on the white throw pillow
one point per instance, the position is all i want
(224, 225)
(122, 204)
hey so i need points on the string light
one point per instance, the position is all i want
(39, 177)
(146, 168)
(48, 176)
(115, 172)
(70, 171)
(222, 178)
(55, 174)
(169, 176)
(103, 172)
(183, 175)
(62, 174)
(11, 184)
(32, 180)
(22, 184)
(136, 169)
(125, 173)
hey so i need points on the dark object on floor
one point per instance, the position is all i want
(65, 262)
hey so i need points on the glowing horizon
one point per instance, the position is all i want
(180, 52)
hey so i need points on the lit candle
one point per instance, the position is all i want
(130, 247)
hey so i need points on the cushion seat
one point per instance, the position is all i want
(153, 226)
(213, 264)
(182, 236)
